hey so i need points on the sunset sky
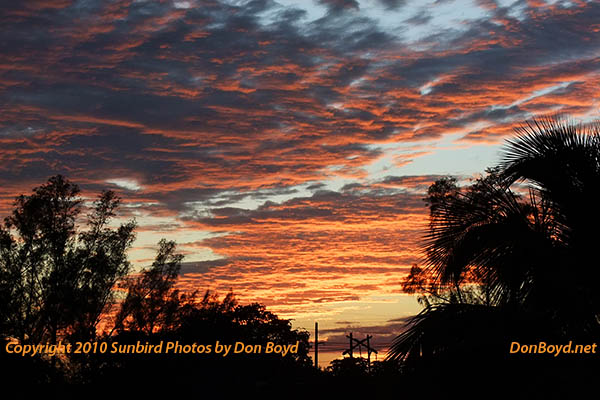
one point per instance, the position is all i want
(285, 145)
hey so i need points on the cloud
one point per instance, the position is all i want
(239, 119)
(382, 335)
(327, 247)
(392, 4)
(340, 5)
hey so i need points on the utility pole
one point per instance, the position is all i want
(358, 343)
(351, 344)
(369, 352)
(317, 343)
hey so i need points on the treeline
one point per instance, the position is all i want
(65, 279)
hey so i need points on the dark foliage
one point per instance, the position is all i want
(55, 281)
(511, 258)
(62, 282)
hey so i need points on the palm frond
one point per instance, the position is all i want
(532, 255)
(560, 158)
(441, 328)
(489, 231)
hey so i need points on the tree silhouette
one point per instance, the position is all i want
(60, 272)
(512, 256)
(205, 321)
(151, 302)
(348, 367)
(56, 282)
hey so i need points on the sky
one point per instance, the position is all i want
(285, 145)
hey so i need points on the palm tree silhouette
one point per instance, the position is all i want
(514, 255)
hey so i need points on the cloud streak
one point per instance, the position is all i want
(279, 132)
